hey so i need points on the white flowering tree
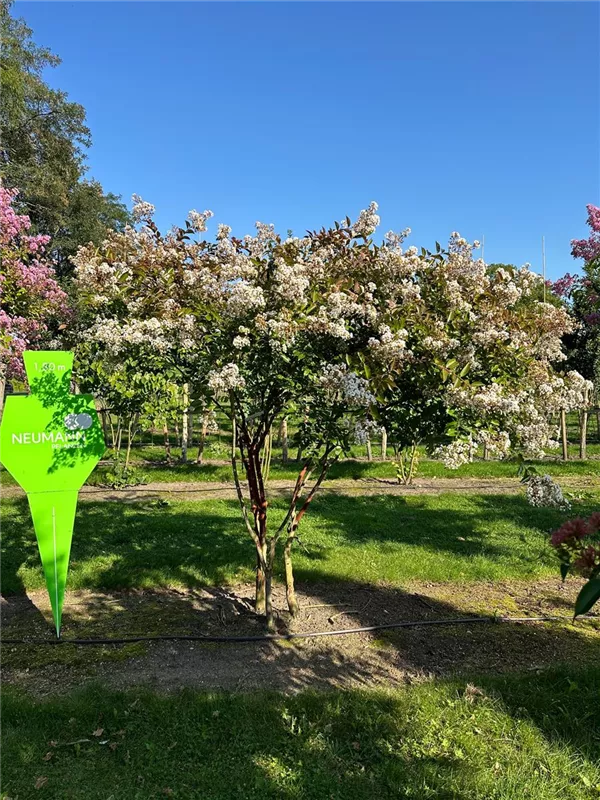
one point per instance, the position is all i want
(480, 362)
(259, 325)
(138, 342)
(334, 327)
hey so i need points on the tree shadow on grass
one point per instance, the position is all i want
(416, 743)
(17, 544)
(150, 544)
(503, 530)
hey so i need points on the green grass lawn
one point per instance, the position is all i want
(448, 537)
(511, 738)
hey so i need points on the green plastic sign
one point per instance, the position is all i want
(50, 441)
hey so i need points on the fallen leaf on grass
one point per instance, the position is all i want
(48, 756)
(40, 782)
(98, 732)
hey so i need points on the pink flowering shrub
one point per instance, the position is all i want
(580, 555)
(589, 249)
(32, 304)
(564, 286)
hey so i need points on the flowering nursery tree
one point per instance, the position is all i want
(581, 293)
(260, 325)
(33, 306)
(322, 325)
(478, 369)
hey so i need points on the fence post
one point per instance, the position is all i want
(563, 434)
(283, 437)
(185, 422)
(583, 421)
(384, 444)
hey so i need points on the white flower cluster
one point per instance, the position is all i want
(199, 219)
(544, 492)
(457, 453)
(364, 429)
(258, 246)
(210, 420)
(342, 385)
(115, 336)
(394, 240)
(486, 399)
(141, 211)
(291, 282)
(244, 298)
(497, 443)
(389, 346)
(221, 381)
(367, 221)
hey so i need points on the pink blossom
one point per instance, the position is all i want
(32, 302)
(593, 219)
(594, 521)
(588, 561)
(589, 249)
(564, 286)
(569, 531)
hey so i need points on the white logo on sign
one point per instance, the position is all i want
(78, 422)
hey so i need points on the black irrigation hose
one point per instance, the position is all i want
(267, 637)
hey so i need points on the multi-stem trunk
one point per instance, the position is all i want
(292, 521)
(250, 451)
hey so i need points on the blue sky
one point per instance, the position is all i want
(477, 117)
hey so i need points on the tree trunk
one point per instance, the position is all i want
(185, 422)
(202, 437)
(290, 590)
(283, 436)
(260, 589)
(251, 457)
(104, 424)
(128, 451)
(563, 434)
(167, 443)
(384, 444)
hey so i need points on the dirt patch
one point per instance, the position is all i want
(210, 490)
(379, 658)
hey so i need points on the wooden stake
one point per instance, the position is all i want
(563, 434)
(384, 444)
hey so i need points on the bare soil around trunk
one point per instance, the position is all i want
(378, 658)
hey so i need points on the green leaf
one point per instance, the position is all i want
(589, 594)
(564, 570)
